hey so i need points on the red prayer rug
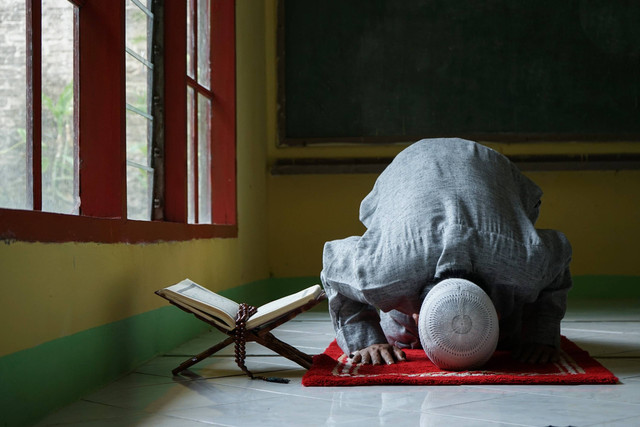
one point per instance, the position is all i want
(332, 368)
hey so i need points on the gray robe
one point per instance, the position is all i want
(442, 208)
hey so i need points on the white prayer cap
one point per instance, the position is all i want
(458, 325)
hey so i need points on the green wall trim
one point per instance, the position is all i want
(584, 286)
(605, 287)
(262, 291)
(41, 379)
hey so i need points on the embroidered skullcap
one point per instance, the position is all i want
(458, 325)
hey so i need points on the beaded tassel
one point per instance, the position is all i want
(245, 311)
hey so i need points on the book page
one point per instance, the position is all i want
(283, 305)
(211, 318)
(191, 294)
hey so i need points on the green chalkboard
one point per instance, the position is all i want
(399, 70)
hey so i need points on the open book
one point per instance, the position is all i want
(222, 311)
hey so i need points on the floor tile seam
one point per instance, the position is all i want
(279, 393)
(501, 396)
(284, 335)
(133, 386)
(569, 320)
(137, 411)
(179, 379)
(484, 420)
(309, 321)
(298, 331)
(283, 367)
(327, 399)
(176, 417)
(241, 374)
(435, 411)
(221, 356)
(152, 375)
(558, 395)
(181, 420)
(488, 423)
(230, 353)
(599, 321)
(575, 335)
(224, 355)
(176, 379)
(324, 399)
(615, 420)
(600, 331)
(201, 378)
(356, 404)
(166, 412)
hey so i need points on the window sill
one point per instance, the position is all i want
(34, 226)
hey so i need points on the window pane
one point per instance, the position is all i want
(204, 160)
(138, 84)
(13, 105)
(139, 74)
(139, 192)
(138, 128)
(190, 42)
(138, 25)
(59, 187)
(199, 112)
(204, 31)
(191, 172)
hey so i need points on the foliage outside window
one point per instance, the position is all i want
(57, 164)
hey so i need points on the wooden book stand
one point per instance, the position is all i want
(260, 334)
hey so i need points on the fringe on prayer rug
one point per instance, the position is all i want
(332, 368)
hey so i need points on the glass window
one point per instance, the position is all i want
(65, 107)
(199, 98)
(203, 43)
(59, 153)
(204, 159)
(139, 74)
(38, 137)
(13, 105)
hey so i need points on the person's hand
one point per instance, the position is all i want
(378, 354)
(536, 353)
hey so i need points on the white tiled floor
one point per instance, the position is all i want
(216, 392)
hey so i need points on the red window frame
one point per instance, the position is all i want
(102, 134)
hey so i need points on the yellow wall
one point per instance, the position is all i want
(49, 291)
(599, 211)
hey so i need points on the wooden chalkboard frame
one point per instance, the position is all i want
(286, 140)
(528, 163)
